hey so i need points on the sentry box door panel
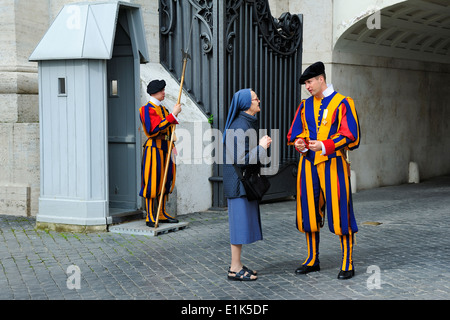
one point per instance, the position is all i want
(122, 133)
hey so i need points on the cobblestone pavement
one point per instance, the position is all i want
(405, 257)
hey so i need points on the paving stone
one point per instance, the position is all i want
(410, 236)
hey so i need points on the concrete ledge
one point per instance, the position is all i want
(76, 212)
(60, 227)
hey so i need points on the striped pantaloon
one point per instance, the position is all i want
(326, 186)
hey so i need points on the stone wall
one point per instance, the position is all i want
(403, 110)
(23, 24)
(402, 104)
(19, 121)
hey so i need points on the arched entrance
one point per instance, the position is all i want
(395, 63)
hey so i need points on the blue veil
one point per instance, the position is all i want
(242, 100)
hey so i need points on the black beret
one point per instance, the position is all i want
(155, 86)
(314, 70)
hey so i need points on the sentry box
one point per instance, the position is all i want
(89, 91)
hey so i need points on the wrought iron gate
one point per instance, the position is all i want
(237, 44)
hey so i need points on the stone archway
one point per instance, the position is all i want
(397, 70)
(413, 29)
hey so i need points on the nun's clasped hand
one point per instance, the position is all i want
(265, 142)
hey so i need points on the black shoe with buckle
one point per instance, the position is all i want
(307, 269)
(344, 275)
(168, 220)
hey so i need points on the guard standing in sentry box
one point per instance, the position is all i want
(157, 123)
(324, 128)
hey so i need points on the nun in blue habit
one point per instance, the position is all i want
(244, 216)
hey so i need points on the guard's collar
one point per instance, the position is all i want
(155, 101)
(328, 91)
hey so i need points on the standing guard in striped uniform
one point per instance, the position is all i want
(157, 125)
(325, 127)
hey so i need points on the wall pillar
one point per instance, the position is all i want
(19, 123)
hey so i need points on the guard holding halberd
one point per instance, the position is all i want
(158, 125)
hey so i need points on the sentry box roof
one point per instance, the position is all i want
(87, 30)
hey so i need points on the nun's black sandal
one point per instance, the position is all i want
(244, 275)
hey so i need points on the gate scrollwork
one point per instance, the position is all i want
(236, 44)
(204, 14)
(283, 35)
(166, 9)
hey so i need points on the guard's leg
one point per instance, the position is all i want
(312, 241)
(309, 218)
(312, 261)
(150, 211)
(347, 270)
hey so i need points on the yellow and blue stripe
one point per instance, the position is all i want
(325, 185)
(347, 242)
(156, 121)
(312, 242)
(325, 179)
